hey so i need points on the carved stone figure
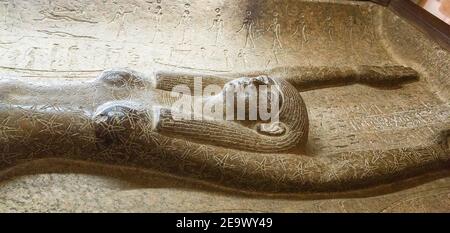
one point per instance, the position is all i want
(238, 105)
(122, 111)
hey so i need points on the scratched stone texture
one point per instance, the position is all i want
(76, 39)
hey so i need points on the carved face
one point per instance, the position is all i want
(253, 81)
(255, 92)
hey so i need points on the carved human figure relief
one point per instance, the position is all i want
(217, 27)
(300, 30)
(329, 27)
(275, 28)
(5, 11)
(249, 30)
(9, 13)
(241, 58)
(120, 17)
(184, 24)
(54, 55)
(157, 20)
(226, 57)
(30, 57)
(71, 55)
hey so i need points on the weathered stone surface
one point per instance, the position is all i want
(376, 92)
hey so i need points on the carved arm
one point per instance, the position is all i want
(307, 78)
(168, 80)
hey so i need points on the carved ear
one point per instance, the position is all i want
(271, 129)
